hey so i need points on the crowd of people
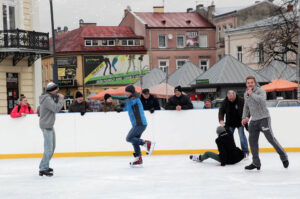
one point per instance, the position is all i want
(234, 113)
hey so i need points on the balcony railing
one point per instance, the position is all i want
(24, 39)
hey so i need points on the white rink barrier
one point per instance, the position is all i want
(96, 134)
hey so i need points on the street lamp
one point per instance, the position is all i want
(54, 66)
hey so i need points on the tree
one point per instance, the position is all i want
(278, 36)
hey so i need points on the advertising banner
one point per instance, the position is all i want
(192, 39)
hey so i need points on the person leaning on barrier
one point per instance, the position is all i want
(207, 104)
(50, 104)
(79, 105)
(150, 103)
(179, 101)
(109, 104)
(22, 108)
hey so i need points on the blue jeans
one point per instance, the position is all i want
(49, 147)
(134, 136)
(243, 139)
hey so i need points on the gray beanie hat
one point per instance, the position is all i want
(220, 129)
(51, 87)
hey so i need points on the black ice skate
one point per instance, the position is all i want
(46, 173)
(285, 163)
(251, 167)
(149, 147)
(137, 161)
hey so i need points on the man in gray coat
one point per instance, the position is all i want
(50, 104)
(255, 106)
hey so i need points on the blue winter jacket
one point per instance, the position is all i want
(135, 110)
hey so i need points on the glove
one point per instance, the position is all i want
(152, 110)
(122, 105)
(82, 113)
(118, 110)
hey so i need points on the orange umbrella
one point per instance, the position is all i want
(280, 85)
(100, 96)
(161, 90)
(121, 90)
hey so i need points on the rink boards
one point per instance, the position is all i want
(104, 134)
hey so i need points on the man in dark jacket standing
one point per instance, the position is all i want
(256, 108)
(232, 107)
(50, 104)
(179, 101)
(79, 105)
(150, 103)
(228, 152)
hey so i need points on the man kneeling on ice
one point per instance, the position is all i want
(228, 152)
(139, 123)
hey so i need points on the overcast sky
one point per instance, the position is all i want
(110, 12)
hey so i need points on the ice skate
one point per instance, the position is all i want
(195, 158)
(137, 161)
(149, 147)
(285, 163)
(46, 173)
(251, 167)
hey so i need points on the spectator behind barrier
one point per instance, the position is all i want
(150, 103)
(207, 104)
(109, 104)
(22, 108)
(179, 101)
(79, 105)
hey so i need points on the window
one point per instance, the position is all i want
(179, 63)
(137, 42)
(219, 57)
(239, 53)
(230, 25)
(204, 64)
(180, 41)
(95, 43)
(162, 41)
(9, 16)
(260, 53)
(104, 42)
(108, 42)
(203, 41)
(88, 42)
(130, 43)
(219, 33)
(124, 42)
(163, 65)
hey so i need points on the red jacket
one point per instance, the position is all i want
(23, 109)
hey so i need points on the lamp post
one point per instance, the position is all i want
(54, 66)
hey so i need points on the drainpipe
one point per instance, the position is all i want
(150, 49)
(298, 57)
(229, 45)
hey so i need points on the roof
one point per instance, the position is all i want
(184, 75)
(154, 77)
(276, 70)
(229, 71)
(73, 41)
(173, 20)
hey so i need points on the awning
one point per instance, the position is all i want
(206, 90)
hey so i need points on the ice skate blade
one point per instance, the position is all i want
(136, 165)
(151, 149)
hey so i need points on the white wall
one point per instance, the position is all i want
(100, 132)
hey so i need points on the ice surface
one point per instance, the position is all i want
(161, 177)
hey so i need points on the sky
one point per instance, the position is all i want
(110, 12)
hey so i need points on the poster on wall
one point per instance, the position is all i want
(191, 39)
(114, 69)
(66, 70)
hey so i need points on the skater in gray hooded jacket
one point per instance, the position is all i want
(255, 106)
(50, 104)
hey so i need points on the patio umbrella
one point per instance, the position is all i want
(162, 90)
(280, 85)
(100, 96)
(121, 90)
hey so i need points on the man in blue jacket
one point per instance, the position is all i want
(139, 123)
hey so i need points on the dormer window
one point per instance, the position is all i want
(163, 22)
(188, 21)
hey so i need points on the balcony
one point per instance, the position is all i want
(22, 43)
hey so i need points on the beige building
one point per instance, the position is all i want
(20, 52)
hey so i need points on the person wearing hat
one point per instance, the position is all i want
(108, 104)
(179, 101)
(50, 104)
(150, 103)
(228, 152)
(79, 105)
(139, 123)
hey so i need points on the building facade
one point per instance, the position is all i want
(93, 58)
(20, 50)
(174, 38)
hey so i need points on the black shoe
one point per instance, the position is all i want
(50, 169)
(46, 173)
(285, 163)
(251, 167)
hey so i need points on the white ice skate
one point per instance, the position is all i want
(195, 158)
(149, 147)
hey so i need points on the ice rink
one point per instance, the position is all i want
(161, 177)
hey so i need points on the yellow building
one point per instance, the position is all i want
(20, 51)
(93, 58)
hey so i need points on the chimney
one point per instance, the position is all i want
(290, 8)
(189, 10)
(210, 12)
(158, 9)
(83, 24)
